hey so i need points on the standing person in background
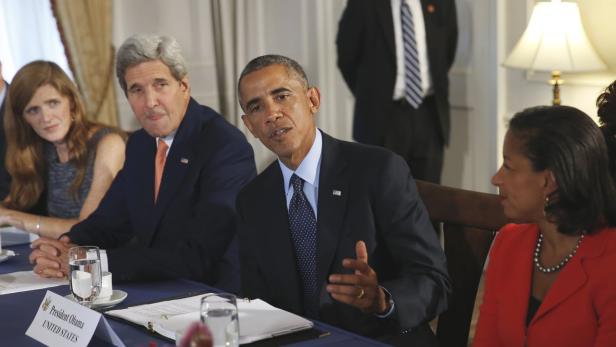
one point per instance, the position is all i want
(55, 156)
(395, 57)
(606, 104)
(5, 179)
(551, 279)
(170, 212)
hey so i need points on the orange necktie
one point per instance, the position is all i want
(159, 165)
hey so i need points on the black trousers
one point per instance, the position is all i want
(414, 135)
(421, 336)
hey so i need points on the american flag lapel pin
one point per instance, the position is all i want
(336, 192)
(184, 160)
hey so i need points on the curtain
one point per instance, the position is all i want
(224, 29)
(28, 32)
(86, 28)
(229, 25)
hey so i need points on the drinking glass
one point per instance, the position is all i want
(84, 273)
(219, 313)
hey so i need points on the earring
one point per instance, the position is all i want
(546, 204)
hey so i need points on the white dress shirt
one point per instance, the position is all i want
(308, 170)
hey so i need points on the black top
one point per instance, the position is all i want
(533, 306)
(60, 176)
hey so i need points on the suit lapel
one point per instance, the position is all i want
(429, 24)
(333, 192)
(275, 224)
(519, 285)
(384, 11)
(142, 192)
(573, 277)
(178, 161)
(570, 280)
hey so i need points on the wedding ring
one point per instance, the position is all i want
(361, 294)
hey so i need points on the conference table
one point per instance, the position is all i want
(17, 312)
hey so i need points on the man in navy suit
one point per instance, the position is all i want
(353, 246)
(185, 225)
(5, 179)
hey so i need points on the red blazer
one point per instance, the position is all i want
(578, 310)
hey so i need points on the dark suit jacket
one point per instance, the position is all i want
(367, 60)
(578, 310)
(5, 178)
(188, 230)
(378, 204)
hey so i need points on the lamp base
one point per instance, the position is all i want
(556, 81)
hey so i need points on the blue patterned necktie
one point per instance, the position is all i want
(412, 76)
(304, 234)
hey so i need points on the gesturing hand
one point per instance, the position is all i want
(360, 289)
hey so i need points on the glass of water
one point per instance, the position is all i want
(219, 313)
(84, 273)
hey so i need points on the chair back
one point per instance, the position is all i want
(470, 221)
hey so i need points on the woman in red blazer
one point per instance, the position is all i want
(552, 280)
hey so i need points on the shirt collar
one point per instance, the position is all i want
(309, 167)
(168, 139)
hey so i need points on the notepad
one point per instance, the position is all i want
(23, 281)
(258, 320)
(13, 236)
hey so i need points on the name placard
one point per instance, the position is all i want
(62, 322)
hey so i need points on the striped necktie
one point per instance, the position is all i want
(412, 76)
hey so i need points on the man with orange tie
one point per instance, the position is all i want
(170, 211)
(395, 57)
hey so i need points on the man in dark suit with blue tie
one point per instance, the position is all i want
(5, 179)
(333, 230)
(395, 57)
(170, 210)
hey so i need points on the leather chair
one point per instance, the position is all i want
(470, 221)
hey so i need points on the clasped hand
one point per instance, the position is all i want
(50, 257)
(360, 289)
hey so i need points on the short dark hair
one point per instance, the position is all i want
(567, 142)
(606, 110)
(264, 61)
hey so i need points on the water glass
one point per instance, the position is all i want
(84, 273)
(219, 313)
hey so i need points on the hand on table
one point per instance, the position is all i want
(50, 257)
(360, 289)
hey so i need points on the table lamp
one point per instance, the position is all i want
(554, 41)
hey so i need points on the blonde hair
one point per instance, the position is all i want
(25, 160)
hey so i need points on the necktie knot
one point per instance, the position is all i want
(161, 149)
(297, 183)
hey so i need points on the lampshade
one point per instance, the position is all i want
(554, 40)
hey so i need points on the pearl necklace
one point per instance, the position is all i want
(562, 262)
